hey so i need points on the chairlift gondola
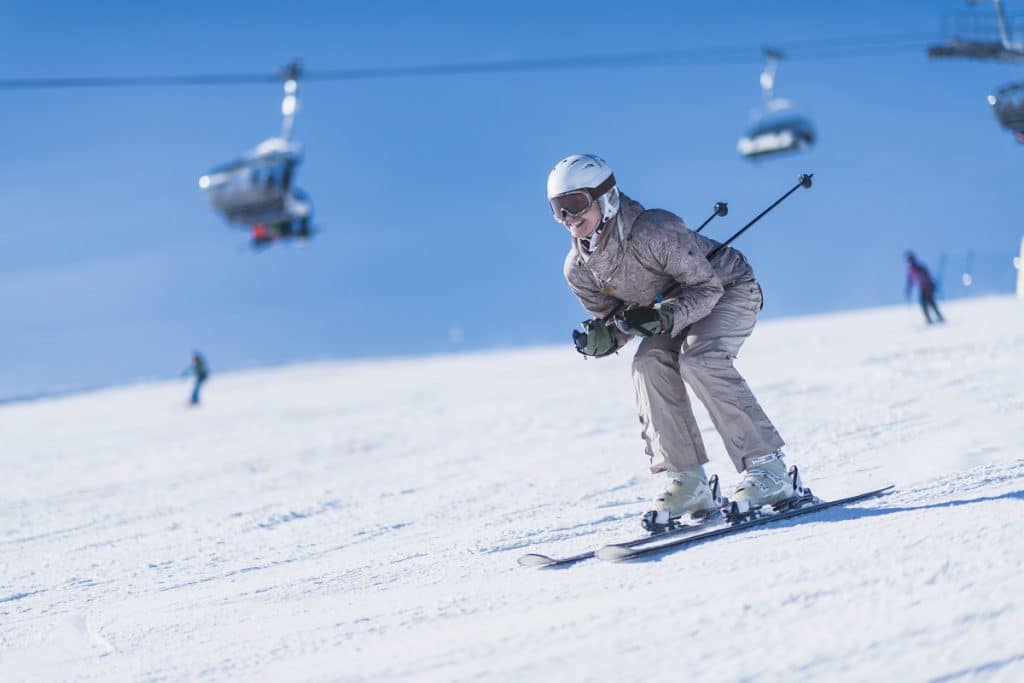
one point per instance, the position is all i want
(777, 128)
(256, 188)
(257, 191)
(976, 37)
(1008, 106)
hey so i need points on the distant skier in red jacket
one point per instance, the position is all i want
(917, 274)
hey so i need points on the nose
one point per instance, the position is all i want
(570, 221)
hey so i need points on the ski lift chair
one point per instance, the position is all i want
(777, 133)
(247, 191)
(777, 129)
(977, 36)
(1008, 106)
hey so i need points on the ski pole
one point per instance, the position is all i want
(721, 209)
(805, 181)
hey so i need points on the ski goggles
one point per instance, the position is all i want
(574, 204)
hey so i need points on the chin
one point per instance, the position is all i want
(581, 234)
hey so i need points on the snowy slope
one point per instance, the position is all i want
(361, 521)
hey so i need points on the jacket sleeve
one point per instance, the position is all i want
(677, 254)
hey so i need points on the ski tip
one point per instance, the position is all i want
(614, 553)
(880, 491)
(535, 560)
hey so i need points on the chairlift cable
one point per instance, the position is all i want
(816, 49)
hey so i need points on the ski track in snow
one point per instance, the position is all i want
(362, 521)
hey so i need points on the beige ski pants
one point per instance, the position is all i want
(702, 355)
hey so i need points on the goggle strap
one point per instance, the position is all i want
(608, 184)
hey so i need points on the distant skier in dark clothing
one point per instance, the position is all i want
(199, 369)
(917, 274)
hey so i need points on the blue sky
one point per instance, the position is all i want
(430, 191)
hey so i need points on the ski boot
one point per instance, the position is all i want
(689, 496)
(766, 482)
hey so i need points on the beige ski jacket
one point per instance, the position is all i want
(644, 252)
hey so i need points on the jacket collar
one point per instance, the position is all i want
(611, 243)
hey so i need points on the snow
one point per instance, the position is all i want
(361, 521)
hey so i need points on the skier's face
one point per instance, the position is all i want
(585, 224)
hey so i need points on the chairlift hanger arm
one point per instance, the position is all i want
(771, 67)
(1004, 32)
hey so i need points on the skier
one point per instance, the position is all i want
(199, 369)
(621, 259)
(917, 274)
(263, 235)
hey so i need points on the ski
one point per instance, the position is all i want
(654, 534)
(625, 551)
(541, 560)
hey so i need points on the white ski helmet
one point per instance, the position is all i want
(589, 173)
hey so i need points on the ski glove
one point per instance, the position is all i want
(596, 339)
(644, 321)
